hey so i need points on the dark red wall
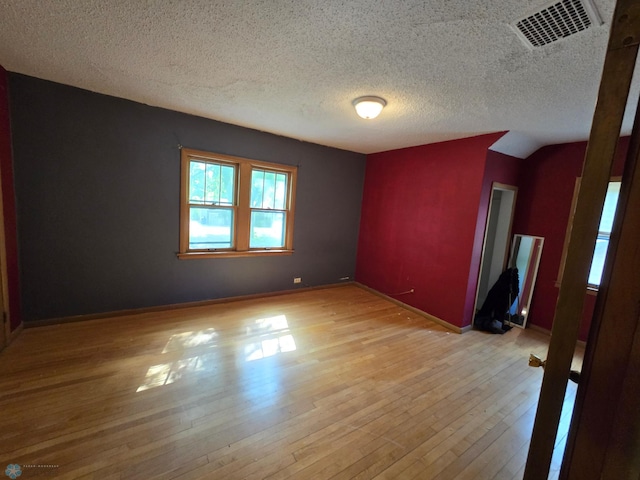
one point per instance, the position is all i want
(419, 224)
(499, 168)
(9, 203)
(424, 214)
(543, 208)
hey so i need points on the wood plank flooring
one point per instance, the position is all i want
(333, 383)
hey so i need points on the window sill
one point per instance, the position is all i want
(590, 290)
(228, 254)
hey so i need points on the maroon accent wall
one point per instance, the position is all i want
(422, 212)
(9, 203)
(543, 208)
(499, 168)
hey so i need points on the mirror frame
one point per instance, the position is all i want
(527, 277)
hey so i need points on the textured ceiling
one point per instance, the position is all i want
(448, 69)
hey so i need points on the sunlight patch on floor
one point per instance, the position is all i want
(266, 337)
(169, 372)
(274, 338)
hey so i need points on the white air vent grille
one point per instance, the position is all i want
(557, 21)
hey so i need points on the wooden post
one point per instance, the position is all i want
(612, 99)
(604, 439)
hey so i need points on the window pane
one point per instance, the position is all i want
(606, 224)
(257, 188)
(609, 209)
(196, 182)
(210, 228)
(212, 184)
(597, 264)
(281, 191)
(267, 229)
(268, 189)
(227, 192)
(268, 199)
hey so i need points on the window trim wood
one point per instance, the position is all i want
(242, 207)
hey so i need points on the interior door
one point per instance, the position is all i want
(617, 74)
(495, 247)
(604, 437)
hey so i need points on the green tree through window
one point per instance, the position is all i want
(235, 206)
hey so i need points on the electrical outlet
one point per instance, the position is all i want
(297, 280)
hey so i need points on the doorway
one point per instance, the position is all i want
(495, 250)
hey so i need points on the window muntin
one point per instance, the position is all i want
(233, 206)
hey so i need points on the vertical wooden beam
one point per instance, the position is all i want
(612, 99)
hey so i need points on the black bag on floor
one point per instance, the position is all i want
(495, 308)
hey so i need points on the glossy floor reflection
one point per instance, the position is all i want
(273, 337)
(333, 383)
(190, 362)
(198, 351)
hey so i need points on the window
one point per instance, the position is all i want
(604, 233)
(232, 206)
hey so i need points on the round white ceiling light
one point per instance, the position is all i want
(369, 107)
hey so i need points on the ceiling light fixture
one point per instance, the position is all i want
(369, 107)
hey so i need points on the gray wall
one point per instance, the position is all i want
(97, 184)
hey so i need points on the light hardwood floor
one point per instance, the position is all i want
(328, 383)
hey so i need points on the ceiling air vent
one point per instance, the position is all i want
(557, 21)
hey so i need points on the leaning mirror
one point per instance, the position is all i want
(526, 251)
